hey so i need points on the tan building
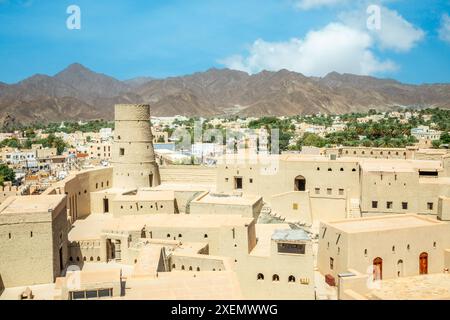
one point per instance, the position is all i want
(33, 239)
(314, 187)
(99, 150)
(386, 247)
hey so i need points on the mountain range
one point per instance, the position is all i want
(77, 93)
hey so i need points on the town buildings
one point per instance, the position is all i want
(255, 226)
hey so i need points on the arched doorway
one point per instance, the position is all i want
(423, 263)
(377, 269)
(300, 183)
(400, 268)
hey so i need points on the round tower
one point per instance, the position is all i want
(133, 155)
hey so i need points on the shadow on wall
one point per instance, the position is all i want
(2, 286)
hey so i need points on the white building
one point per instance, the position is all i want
(424, 132)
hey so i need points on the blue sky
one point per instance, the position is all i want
(159, 38)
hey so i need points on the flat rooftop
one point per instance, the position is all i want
(316, 158)
(30, 204)
(423, 287)
(398, 165)
(290, 235)
(230, 199)
(170, 221)
(88, 277)
(89, 228)
(185, 285)
(382, 223)
(92, 226)
(147, 195)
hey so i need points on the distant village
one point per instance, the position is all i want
(38, 165)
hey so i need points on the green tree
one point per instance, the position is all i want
(6, 173)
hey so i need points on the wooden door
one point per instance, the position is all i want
(423, 263)
(377, 269)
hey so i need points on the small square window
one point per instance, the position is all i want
(374, 204)
(341, 192)
(389, 205)
(317, 190)
(250, 180)
(122, 151)
(430, 205)
(329, 190)
(404, 205)
(295, 206)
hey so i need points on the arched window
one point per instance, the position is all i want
(377, 269)
(173, 266)
(91, 259)
(71, 258)
(400, 268)
(260, 276)
(190, 268)
(275, 277)
(182, 267)
(291, 278)
(300, 183)
(98, 258)
(84, 258)
(198, 268)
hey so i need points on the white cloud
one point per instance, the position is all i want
(312, 4)
(444, 31)
(334, 48)
(395, 33)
